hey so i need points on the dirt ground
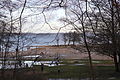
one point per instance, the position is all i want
(64, 52)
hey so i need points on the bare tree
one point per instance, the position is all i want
(106, 23)
(77, 17)
(73, 37)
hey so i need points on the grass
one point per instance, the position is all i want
(69, 70)
(82, 72)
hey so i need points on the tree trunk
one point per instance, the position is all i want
(118, 58)
(88, 50)
(114, 44)
(116, 63)
(89, 55)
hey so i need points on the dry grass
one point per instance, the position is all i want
(65, 52)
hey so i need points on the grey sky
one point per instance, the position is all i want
(37, 22)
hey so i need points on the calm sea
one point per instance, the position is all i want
(33, 39)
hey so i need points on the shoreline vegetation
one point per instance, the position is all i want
(64, 51)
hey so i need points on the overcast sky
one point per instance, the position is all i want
(36, 23)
